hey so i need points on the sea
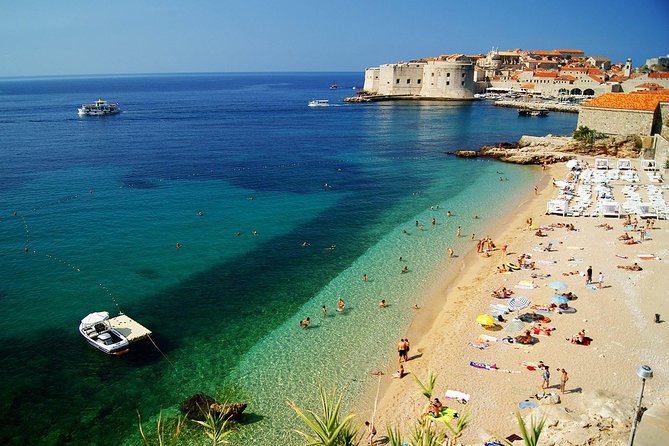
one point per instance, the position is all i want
(219, 210)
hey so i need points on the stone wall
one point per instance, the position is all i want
(371, 80)
(451, 80)
(436, 79)
(664, 119)
(400, 79)
(616, 122)
(661, 151)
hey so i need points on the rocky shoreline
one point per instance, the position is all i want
(551, 149)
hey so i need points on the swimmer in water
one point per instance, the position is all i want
(305, 243)
(448, 214)
(405, 269)
(178, 245)
(254, 233)
(305, 323)
(341, 306)
(382, 304)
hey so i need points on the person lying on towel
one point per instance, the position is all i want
(634, 267)
(525, 339)
(625, 236)
(502, 293)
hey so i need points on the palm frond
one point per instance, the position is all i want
(428, 387)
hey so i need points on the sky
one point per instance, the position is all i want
(67, 37)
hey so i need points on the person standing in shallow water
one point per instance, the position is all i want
(459, 231)
(324, 311)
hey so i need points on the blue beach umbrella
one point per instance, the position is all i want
(559, 300)
(558, 285)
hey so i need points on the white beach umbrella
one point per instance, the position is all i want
(571, 164)
(518, 303)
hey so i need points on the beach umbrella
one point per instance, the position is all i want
(515, 326)
(485, 320)
(559, 300)
(518, 303)
(571, 164)
(558, 285)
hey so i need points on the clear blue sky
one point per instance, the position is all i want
(134, 36)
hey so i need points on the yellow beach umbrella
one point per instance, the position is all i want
(485, 320)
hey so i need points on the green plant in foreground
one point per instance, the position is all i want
(394, 436)
(428, 387)
(327, 429)
(461, 423)
(163, 438)
(531, 435)
(424, 434)
(216, 427)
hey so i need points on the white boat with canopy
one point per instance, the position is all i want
(319, 103)
(99, 108)
(100, 334)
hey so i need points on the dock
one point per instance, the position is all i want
(128, 327)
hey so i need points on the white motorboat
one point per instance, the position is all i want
(100, 334)
(319, 103)
(99, 108)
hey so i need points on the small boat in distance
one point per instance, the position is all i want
(99, 108)
(97, 330)
(333, 86)
(532, 112)
(319, 103)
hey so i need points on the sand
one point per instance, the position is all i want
(619, 318)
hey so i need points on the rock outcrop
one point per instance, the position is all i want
(198, 406)
(551, 149)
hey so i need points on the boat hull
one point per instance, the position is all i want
(109, 341)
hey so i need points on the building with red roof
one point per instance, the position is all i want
(626, 113)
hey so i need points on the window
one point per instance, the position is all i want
(418, 81)
(408, 81)
(397, 81)
(433, 74)
(448, 74)
(448, 82)
(463, 74)
(463, 83)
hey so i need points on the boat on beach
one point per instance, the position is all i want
(98, 331)
(99, 108)
(319, 103)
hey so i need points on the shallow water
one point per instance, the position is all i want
(101, 204)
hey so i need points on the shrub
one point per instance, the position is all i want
(587, 135)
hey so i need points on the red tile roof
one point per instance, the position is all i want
(599, 80)
(546, 74)
(628, 101)
(649, 86)
(527, 86)
(656, 75)
(568, 51)
(565, 78)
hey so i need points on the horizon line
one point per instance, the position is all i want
(140, 74)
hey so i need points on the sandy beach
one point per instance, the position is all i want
(602, 389)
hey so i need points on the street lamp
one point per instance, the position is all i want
(644, 372)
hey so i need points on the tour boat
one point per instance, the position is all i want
(100, 334)
(319, 103)
(99, 108)
(333, 86)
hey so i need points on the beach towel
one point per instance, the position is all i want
(483, 341)
(646, 256)
(547, 262)
(483, 365)
(498, 309)
(447, 414)
(527, 403)
(592, 287)
(531, 366)
(568, 310)
(456, 395)
(579, 248)
(526, 285)
(586, 341)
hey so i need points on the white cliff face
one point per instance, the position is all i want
(432, 80)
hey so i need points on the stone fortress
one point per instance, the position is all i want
(556, 73)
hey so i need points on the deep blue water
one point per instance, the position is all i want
(100, 204)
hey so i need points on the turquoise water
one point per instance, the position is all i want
(101, 204)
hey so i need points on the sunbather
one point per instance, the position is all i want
(625, 236)
(539, 329)
(502, 293)
(579, 338)
(569, 295)
(634, 267)
(571, 273)
(525, 339)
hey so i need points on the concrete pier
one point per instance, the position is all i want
(131, 329)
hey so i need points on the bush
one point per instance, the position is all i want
(587, 135)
